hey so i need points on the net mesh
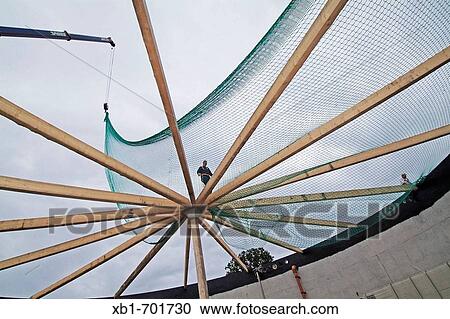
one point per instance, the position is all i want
(370, 44)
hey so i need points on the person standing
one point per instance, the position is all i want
(405, 180)
(204, 172)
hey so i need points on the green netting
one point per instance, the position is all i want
(370, 44)
(351, 210)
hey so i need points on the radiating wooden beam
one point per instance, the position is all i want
(58, 190)
(286, 219)
(337, 164)
(214, 234)
(187, 250)
(148, 36)
(78, 242)
(41, 127)
(335, 123)
(199, 261)
(323, 21)
(248, 231)
(152, 253)
(154, 228)
(293, 199)
(83, 218)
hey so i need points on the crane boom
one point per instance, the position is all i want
(47, 34)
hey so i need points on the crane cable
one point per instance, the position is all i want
(109, 78)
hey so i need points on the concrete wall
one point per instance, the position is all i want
(431, 284)
(412, 250)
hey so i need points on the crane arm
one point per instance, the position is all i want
(47, 34)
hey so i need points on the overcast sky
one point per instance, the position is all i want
(200, 45)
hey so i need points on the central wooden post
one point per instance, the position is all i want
(193, 223)
(187, 250)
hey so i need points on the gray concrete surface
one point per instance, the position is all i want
(408, 260)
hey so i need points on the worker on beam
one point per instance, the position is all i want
(405, 180)
(204, 172)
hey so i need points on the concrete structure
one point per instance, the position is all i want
(409, 260)
(432, 284)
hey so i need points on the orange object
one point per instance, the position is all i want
(299, 281)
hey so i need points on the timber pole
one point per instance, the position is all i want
(199, 261)
(287, 219)
(83, 218)
(151, 254)
(145, 24)
(154, 228)
(58, 190)
(41, 127)
(322, 23)
(213, 233)
(293, 199)
(337, 164)
(251, 232)
(187, 250)
(78, 242)
(369, 103)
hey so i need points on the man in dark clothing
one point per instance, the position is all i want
(405, 180)
(204, 172)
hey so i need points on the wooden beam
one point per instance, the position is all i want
(199, 261)
(251, 232)
(286, 219)
(214, 234)
(145, 24)
(154, 228)
(293, 199)
(187, 250)
(41, 127)
(323, 21)
(335, 123)
(78, 242)
(152, 253)
(335, 165)
(58, 190)
(84, 218)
